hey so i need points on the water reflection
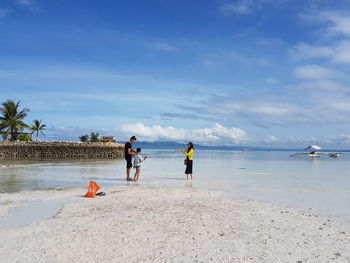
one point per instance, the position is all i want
(188, 183)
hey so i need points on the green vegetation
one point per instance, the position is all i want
(4, 136)
(84, 138)
(25, 137)
(93, 137)
(37, 127)
(11, 123)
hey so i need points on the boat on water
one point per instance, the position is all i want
(315, 152)
(335, 155)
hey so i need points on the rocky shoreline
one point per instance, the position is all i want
(60, 150)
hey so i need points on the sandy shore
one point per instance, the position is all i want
(144, 224)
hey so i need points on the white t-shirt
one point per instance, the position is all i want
(137, 160)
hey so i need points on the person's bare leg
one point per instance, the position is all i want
(187, 176)
(127, 174)
(137, 173)
(135, 176)
(191, 176)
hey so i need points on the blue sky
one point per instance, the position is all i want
(243, 72)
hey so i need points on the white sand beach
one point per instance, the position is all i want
(148, 224)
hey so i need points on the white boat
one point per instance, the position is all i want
(314, 152)
(335, 155)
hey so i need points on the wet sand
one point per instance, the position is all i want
(160, 224)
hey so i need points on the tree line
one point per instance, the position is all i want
(93, 137)
(12, 123)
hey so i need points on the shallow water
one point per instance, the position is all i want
(270, 176)
(31, 212)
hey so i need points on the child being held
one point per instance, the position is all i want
(137, 163)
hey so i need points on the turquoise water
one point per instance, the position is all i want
(269, 176)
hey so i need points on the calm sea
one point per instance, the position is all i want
(269, 176)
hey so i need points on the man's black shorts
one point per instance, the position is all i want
(128, 162)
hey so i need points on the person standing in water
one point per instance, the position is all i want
(137, 163)
(128, 153)
(189, 159)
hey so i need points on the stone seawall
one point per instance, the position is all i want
(61, 150)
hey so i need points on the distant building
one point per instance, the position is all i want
(108, 139)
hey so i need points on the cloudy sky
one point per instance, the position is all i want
(217, 72)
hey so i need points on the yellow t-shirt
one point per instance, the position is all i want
(189, 154)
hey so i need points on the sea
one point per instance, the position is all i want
(322, 184)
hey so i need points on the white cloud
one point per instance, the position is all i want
(216, 135)
(334, 27)
(316, 72)
(322, 85)
(241, 7)
(340, 106)
(338, 53)
(271, 139)
(342, 53)
(339, 140)
(263, 111)
(334, 23)
(271, 110)
(310, 103)
(338, 23)
(304, 51)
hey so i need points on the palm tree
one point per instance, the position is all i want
(11, 121)
(94, 137)
(37, 127)
(4, 135)
(84, 138)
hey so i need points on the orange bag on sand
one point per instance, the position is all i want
(92, 189)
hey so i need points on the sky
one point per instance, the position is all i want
(271, 73)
